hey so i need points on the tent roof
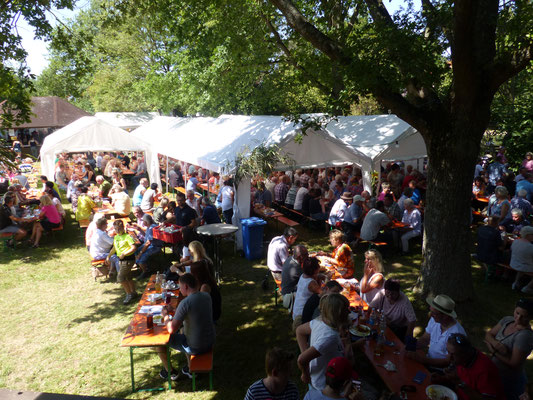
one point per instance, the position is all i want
(126, 119)
(213, 142)
(376, 136)
(91, 134)
(52, 112)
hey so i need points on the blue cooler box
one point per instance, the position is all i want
(252, 237)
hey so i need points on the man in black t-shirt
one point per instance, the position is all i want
(8, 221)
(185, 215)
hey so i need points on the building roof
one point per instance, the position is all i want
(52, 112)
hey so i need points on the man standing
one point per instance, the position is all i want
(124, 247)
(290, 274)
(139, 192)
(278, 251)
(281, 189)
(185, 215)
(195, 314)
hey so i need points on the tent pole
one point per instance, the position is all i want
(379, 178)
(166, 179)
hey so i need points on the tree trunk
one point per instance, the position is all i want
(446, 250)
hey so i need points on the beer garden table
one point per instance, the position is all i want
(138, 335)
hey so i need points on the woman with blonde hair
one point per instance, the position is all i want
(49, 219)
(117, 179)
(320, 341)
(198, 253)
(373, 280)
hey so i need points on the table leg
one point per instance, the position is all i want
(132, 374)
(168, 358)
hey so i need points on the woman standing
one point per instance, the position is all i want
(372, 281)
(226, 199)
(510, 342)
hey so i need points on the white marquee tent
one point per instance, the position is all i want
(92, 134)
(127, 120)
(213, 142)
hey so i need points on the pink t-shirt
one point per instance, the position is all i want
(528, 164)
(51, 213)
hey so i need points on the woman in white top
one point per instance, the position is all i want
(522, 257)
(372, 281)
(320, 340)
(307, 285)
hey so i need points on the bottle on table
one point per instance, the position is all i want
(158, 283)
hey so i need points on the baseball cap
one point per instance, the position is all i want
(340, 368)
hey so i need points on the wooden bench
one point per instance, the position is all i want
(84, 223)
(287, 221)
(202, 363)
(277, 289)
(99, 269)
(6, 237)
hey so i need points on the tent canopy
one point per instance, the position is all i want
(213, 143)
(126, 120)
(91, 134)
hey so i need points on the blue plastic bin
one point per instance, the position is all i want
(252, 237)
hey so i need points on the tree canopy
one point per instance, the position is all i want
(15, 78)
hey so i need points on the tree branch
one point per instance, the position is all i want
(379, 12)
(290, 58)
(309, 32)
(509, 65)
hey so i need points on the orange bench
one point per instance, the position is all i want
(6, 237)
(287, 221)
(276, 290)
(99, 268)
(201, 363)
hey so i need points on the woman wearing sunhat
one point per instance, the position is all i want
(440, 327)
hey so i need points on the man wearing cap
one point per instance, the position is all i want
(441, 326)
(338, 211)
(278, 251)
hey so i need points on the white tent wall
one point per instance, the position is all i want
(91, 134)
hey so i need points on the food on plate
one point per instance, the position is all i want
(360, 330)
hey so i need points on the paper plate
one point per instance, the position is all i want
(360, 330)
(439, 392)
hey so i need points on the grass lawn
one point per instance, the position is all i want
(61, 330)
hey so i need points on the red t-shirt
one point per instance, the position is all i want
(483, 376)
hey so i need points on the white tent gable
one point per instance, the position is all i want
(87, 134)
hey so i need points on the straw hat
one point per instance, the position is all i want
(444, 304)
(347, 196)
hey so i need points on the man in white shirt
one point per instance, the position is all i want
(339, 209)
(411, 216)
(278, 251)
(101, 244)
(374, 220)
(440, 327)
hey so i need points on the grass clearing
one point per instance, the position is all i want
(61, 330)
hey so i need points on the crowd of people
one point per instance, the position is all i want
(316, 301)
